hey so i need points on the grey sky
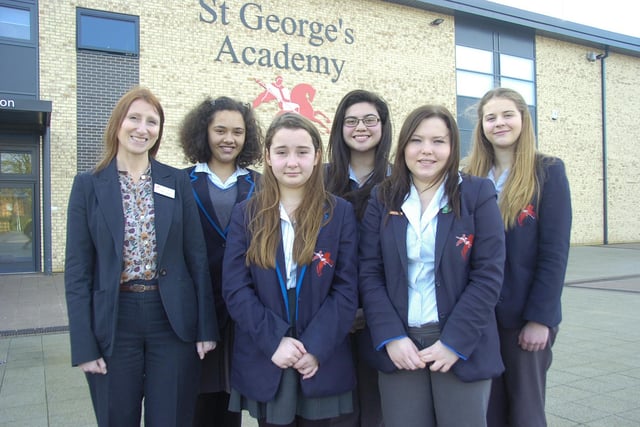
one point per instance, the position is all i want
(618, 16)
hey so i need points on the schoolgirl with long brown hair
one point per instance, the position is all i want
(431, 260)
(290, 284)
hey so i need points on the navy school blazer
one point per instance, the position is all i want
(215, 236)
(94, 260)
(537, 253)
(326, 293)
(469, 262)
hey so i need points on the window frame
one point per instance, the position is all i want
(32, 40)
(112, 16)
(498, 39)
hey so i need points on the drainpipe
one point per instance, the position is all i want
(603, 96)
(46, 202)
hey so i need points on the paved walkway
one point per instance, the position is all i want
(594, 380)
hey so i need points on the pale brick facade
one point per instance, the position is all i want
(376, 45)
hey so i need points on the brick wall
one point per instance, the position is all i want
(393, 50)
(102, 79)
(575, 136)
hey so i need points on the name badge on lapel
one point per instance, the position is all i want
(165, 191)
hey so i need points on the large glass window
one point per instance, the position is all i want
(19, 221)
(488, 55)
(109, 32)
(15, 23)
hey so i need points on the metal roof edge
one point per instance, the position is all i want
(542, 24)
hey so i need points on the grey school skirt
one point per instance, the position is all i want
(289, 402)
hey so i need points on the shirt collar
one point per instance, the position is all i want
(412, 202)
(230, 182)
(354, 178)
(498, 182)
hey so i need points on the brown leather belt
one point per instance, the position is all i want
(139, 286)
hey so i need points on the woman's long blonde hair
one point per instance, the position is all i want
(314, 211)
(522, 184)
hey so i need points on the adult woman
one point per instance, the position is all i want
(222, 137)
(359, 159)
(290, 284)
(138, 293)
(535, 204)
(431, 259)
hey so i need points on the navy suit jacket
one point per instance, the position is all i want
(94, 260)
(467, 281)
(326, 305)
(215, 235)
(537, 254)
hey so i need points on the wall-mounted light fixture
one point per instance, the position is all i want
(593, 57)
(436, 22)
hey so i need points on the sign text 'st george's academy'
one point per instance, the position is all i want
(253, 18)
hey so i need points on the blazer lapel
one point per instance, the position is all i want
(246, 187)
(445, 221)
(201, 194)
(281, 272)
(399, 225)
(163, 205)
(107, 188)
(399, 293)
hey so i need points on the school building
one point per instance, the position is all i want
(64, 64)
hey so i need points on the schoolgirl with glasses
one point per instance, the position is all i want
(358, 148)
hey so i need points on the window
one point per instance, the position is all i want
(488, 55)
(107, 32)
(15, 162)
(15, 23)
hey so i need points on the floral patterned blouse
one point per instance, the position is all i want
(140, 253)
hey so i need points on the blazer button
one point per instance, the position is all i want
(437, 284)
(163, 272)
(223, 245)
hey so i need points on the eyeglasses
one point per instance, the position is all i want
(369, 121)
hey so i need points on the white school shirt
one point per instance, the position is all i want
(354, 178)
(421, 254)
(500, 181)
(288, 237)
(230, 182)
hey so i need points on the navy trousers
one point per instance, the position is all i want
(148, 361)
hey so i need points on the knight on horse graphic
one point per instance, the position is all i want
(298, 100)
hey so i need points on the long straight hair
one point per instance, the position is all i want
(340, 154)
(314, 211)
(118, 114)
(522, 185)
(394, 190)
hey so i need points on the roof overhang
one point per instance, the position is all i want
(542, 24)
(24, 115)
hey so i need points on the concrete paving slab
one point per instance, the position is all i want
(594, 380)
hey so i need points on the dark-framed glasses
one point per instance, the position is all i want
(369, 121)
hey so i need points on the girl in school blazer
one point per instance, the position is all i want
(290, 284)
(535, 204)
(222, 137)
(358, 152)
(431, 268)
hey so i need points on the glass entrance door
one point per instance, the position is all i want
(19, 220)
